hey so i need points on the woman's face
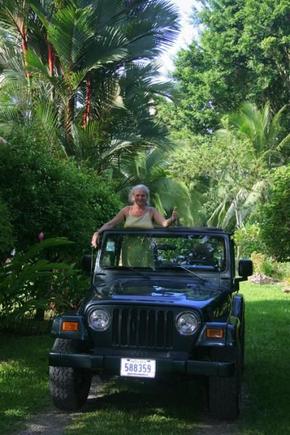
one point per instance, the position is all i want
(140, 197)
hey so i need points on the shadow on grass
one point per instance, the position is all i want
(143, 408)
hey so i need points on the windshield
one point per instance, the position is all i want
(160, 251)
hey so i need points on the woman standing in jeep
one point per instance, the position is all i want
(137, 215)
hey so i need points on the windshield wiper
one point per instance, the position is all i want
(134, 269)
(180, 266)
(193, 273)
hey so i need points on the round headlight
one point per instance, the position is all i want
(187, 323)
(99, 320)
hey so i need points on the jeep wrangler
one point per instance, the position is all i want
(162, 303)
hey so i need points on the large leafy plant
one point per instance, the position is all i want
(40, 280)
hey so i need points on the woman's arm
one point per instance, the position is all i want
(160, 220)
(120, 216)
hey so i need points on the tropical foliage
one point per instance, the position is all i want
(227, 172)
(68, 64)
(231, 117)
(275, 215)
(84, 115)
(165, 192)
(6, 231)
(38, 279)
(78, 91)
(242, 54)
(49, 195)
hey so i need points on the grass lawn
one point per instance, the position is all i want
(23, 378)
(163, 409)
(267, 374)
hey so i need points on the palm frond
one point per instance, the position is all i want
(69, 32)
(46, 118)
(146, 33)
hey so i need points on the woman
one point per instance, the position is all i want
(137, 215)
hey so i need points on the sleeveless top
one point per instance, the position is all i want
(144, 221)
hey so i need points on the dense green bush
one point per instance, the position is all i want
(275, 215)
(6, 231)
(42, 193)
(51, 195)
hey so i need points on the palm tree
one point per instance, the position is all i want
(262, 129)
(130, 122)
(242, 184)
(14, 16)
(83, 49)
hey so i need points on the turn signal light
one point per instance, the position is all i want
(70, 326)
(215, 333)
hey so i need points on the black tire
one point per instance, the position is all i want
(224, 396)
(69, 387)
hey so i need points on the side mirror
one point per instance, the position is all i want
(87, 263)
(245, 268)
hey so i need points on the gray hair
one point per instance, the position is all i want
(139, 187)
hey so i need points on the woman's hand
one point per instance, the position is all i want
(160, 220)
(95, 239)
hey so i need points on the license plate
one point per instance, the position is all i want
(138, 368)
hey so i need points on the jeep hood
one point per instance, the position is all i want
(199, 292)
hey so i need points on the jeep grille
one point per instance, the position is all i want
(142, 328)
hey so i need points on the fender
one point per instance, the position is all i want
(79, 334)
(238, 306)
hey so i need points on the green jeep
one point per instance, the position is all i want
(163, 304)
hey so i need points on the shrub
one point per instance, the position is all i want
(275, 215)
(248, 240)
(53, 196)
(6, 231)
(284, 270)
(265, 265)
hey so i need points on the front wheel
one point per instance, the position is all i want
(224, 397)
(69, 387)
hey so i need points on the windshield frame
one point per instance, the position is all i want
(187, 233)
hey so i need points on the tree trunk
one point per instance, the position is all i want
(51, 64)
(86, 114)
(68, 125)
(24, 46)
(51, 59)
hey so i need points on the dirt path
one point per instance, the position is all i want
(54, 422)
(51, 422)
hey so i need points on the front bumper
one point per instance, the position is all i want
(110, 364)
